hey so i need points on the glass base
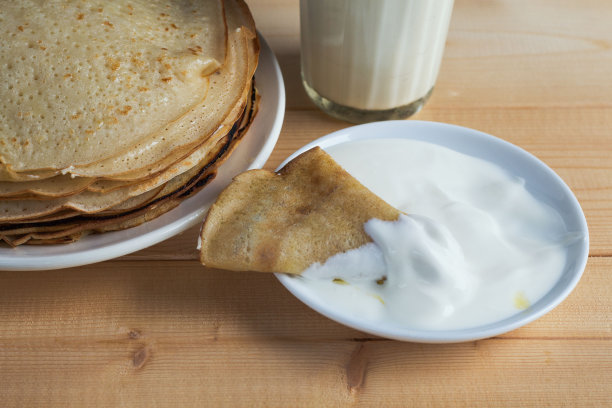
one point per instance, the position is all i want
(356, 115)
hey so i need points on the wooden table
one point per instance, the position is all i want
(155, 328)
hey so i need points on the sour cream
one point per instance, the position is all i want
(474, 246)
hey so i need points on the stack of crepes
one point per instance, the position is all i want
(113, 112)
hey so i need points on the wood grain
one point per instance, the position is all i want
(301, 373)
(184, 299)
(146, 330)
(156, 329)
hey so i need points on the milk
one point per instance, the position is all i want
(370, 56)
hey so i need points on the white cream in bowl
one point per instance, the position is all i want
(482, 243)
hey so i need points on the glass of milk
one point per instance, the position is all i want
(369, 60)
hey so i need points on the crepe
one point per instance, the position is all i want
(70, 184)
(110, 74)
(182, 137)
(284, 222)
(91, 202)
(228, 87)
(65, 185)
(129, 214)
(58, 186)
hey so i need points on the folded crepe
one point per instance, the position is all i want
(284, 222)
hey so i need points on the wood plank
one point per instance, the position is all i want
(188, 302)
(297, 372)
(176, 334)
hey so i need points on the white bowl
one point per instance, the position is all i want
(540, 180)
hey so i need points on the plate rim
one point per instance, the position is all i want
(544, 305)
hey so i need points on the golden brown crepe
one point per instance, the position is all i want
(87, 80)
(283, 222)
(74, 226)
(61, 180)
(91, 202)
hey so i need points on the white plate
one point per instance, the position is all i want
(540, 180)
(253, 152)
